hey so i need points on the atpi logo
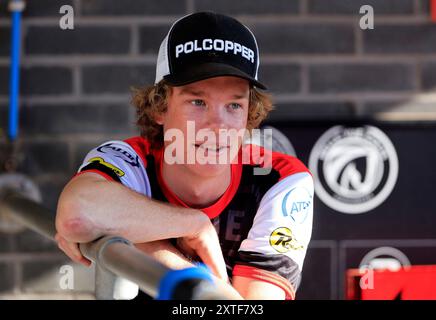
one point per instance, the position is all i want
(355, 169)
(296, 203)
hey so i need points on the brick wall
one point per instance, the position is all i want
(315, 59)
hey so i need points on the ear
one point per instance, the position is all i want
(159, 118)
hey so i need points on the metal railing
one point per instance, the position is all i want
(117, 260)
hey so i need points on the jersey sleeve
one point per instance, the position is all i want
(118, 161)
(276, 245)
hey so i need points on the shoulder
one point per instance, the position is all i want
(272, 163)
(132, 150)
(121, 161)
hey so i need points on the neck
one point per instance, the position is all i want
(201, 191)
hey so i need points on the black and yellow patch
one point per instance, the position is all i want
(99, 164)
(117, 170)
(282, 240)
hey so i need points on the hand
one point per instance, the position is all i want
(205, 244)
(71, 249)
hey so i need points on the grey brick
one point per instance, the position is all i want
(6, 276)
(341, 78)
(46, 80)
(81, 40)
(81, 151)
(3, 118)
(424, 6)
(5, 36)
(280, 78)
(45, 277)
(116, 79)
(3, 148)
(4, 80)
(133, 7)
(46, 7)
(353, 6)
(36, 272)
(231, 7)
(429, 76)
(5, 241)
(372, 109)
(76, 118)
(30, 241)
(4, 8)
(294, 111)
(150, 38)
(44, 157)
(304, 38)
(51, 191)
(402, 39)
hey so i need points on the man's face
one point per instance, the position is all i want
(214, 107)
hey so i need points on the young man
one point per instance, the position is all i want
(178, 191)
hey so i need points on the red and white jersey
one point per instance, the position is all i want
(264, 222)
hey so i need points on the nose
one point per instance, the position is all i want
(217, 118)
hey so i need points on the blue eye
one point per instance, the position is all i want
(235, 106)
(198, 103)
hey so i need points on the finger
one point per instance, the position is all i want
(66, 250)
(185, 248)
(72, 250)
(214, 260)
(78, 254)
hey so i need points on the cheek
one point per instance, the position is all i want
(174, 118)
(240, 121)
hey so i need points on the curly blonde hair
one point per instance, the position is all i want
(152, 100)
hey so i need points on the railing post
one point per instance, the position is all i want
(108, 286)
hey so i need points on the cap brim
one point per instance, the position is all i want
(209, 70)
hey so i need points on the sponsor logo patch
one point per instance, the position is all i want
(133, 160)
(118, 171)
(296, 204)
(282, 240)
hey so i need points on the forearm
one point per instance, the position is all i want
(90, 208)
(164, 252)
(167, 254)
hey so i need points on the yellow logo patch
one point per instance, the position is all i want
(282, 240)
(118, 171)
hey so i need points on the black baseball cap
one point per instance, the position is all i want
(204, 45)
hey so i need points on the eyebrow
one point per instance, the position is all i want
(200, 93)
(192, 92)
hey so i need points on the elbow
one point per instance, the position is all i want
(72, 229)
(72, 222)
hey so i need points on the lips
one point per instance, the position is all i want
(212, 150)
(211, 147)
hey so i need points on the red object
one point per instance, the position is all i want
(412, 283)
(433, 10)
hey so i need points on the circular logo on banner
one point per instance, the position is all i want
(355, 169)
(282, 240)
(385, 258)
